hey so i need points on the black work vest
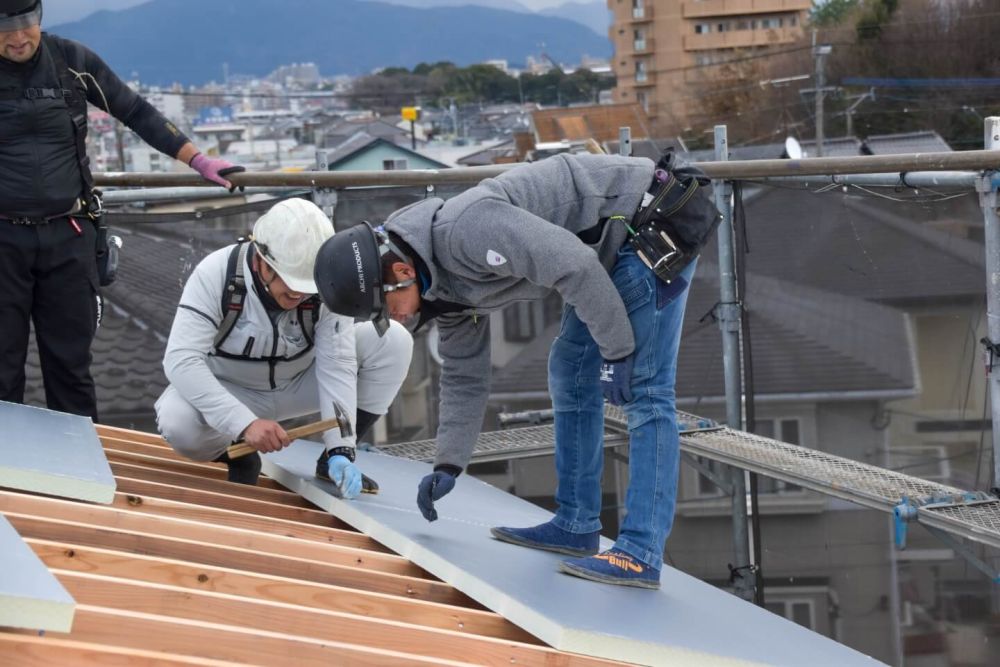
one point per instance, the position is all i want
(39, 168)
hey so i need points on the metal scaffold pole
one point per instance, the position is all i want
(728, 314)
(988, 200)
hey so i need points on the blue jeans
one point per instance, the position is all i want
(656, 311)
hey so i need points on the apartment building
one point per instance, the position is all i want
(663, 47)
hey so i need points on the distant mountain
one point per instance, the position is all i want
(163, 41)
(509, 5)
(594, 14)
(64, 11)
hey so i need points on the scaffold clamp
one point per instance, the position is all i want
(902, 514)
(992, 352)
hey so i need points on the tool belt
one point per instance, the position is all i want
(28, 220)
(675, 219)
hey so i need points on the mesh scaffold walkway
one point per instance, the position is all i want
(973, 516)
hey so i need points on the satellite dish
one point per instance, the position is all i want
(793, 148)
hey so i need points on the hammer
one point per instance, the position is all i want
(368, 485)
(240, 448)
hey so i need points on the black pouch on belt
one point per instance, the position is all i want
(107, 243)
(676, 218)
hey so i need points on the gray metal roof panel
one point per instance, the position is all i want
(677, 624)
(54, 453)
(859, 246)
(30, 597)
(927, 141)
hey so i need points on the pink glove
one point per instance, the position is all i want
(213, 170)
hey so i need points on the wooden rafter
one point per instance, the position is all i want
(184, 568)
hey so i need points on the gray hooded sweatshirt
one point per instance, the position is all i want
(514, 238)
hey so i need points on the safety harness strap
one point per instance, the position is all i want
(234, 294)
(76, 100)
(234, 297)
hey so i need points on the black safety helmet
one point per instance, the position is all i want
(348, 274)
(19, 14)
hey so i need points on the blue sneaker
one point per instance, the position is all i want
(550, 537)
(613, 567)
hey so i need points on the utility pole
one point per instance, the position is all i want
(850, 110)
(820, 52)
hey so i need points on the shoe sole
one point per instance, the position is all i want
(521, 542)
(584, 573)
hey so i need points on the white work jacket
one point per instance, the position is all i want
(271, 353)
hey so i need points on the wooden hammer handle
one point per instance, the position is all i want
(239, 449)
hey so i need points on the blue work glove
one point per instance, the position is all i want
(346, 476)
(434, 486)
(616, 380)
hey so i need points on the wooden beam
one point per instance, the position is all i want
(30, 651)
(140, 448)
(298, 621)
(240, 559)
(139, 567)
(219, 486)
(207, 470)
(227, 642)
(128, 434)
(146, 504)
(262, 508)
(94, 516)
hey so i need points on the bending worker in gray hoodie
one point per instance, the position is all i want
(559, 224)
(251, 345)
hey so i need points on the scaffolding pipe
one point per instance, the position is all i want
(133, 196)
(958, 180)
(735, 169)
(988, 200)
(728, 314)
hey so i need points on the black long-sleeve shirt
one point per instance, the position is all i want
(39, 168)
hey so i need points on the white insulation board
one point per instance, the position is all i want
(54, 453)
(687, 622)
(30, 597)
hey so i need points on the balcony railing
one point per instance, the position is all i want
(735, 39)
(705, 8)
(642, 13)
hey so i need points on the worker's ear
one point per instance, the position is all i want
(403, 271)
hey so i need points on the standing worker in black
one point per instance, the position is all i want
(48, 239)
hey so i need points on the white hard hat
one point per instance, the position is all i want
(288, 237)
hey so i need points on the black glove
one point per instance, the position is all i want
(616, 380)
(435, 486)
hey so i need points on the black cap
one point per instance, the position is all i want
(348, 274)
(19, 14)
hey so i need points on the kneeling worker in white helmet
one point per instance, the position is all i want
(251, 344)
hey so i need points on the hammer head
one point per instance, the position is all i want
(343, 419)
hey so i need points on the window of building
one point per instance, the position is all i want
(702, 28)
(639, 40)
(519, 322)
(394, 164)
(643, 99)
(640, 71)
(793, 20)
(552, 308)
(707, 487)
(638, 9)
(928, 462)
(799, 610)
